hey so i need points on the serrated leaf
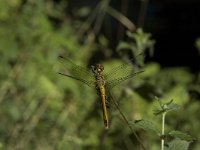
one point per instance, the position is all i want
(147, 125)
(181, 135)
(178, 144)
(165, 107)
(172, 106)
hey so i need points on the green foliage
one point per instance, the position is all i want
(178, 145)
(163, 109)
(181, 135)
(139, 43)
(42, 110)
(147, 125)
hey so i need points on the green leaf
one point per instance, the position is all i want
(147, 125)
(158, 111)
(83, 12)
(142, 41)
(123, 45)
(172, 106)
(178, 144)
(181, 135)
(165, 107)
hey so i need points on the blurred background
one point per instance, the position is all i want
(40, 109)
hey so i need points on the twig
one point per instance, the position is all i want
(121, 18)
(125, 120)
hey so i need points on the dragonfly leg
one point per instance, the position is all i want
(98, 92)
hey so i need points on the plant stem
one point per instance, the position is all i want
(163, 131)
(125, 119)
(121, 18)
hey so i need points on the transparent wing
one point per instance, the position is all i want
(116, 81)
(121, 73)
(71, 70)
(121, 70)
(124, 67)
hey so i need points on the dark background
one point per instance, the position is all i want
(178, 29)
(174, 24)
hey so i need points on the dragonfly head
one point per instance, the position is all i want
(98, 68)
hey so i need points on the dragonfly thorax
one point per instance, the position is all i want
(97, 69)
(98, 73)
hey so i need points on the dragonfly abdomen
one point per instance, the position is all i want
(104, 107)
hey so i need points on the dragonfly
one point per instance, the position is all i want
(98, 79)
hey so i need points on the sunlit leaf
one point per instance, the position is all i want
(178, 145)
(181, 135)
(165, 107)
(147, 125)
(123, 45)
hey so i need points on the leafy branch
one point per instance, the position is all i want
(181, 140)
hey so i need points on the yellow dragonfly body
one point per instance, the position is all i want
(100, 87)
(96, 78)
